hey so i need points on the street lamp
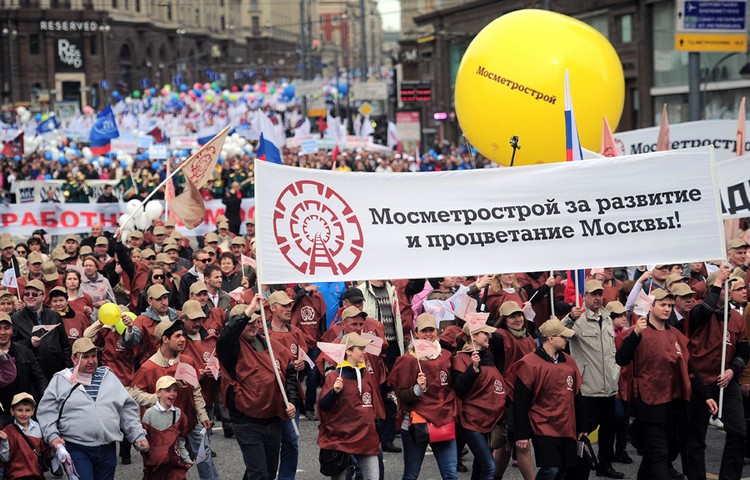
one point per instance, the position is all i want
(180, 65)
(11, 34)
(105, 33)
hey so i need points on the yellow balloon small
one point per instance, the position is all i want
(109, 314)
(510, 83)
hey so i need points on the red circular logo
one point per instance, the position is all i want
(316, 229)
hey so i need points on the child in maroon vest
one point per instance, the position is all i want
(21, 440)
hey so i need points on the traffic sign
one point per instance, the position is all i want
(711, 25)
(104, 84)
(145, 83)
(365, 109)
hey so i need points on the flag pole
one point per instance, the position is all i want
(176, 170)
(273, 362)
(166, 197)
(577, 285)
(724, 343)
(552, 295)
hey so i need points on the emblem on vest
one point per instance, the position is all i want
(206, 356)
(73, 333)
(368, 366)
(367, 399)
(729, 338)
(307, 315)
(678, 348)
(499, 387)
(570, 382)
(443, 378)
(278, 365)
(211, 331)
(120, 346)
(293, 348)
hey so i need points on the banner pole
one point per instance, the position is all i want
(577, 286)
(552, 296)
(724, 344)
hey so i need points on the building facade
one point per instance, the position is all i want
(83, 50)
(642, 33)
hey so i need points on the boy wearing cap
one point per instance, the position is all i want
(548, 408)
(51, 347)
(292, 338)
(659, 351)
(166, 428)
(250, 390)
(89, 416)
(168, 357)
(19, 459)
(705, 330)
(593, 348)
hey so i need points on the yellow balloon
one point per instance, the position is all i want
(109, 314)
(511, 83)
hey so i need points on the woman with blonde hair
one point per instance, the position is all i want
(503, 288)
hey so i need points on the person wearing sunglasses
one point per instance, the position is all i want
(157, 275)
(22, 250)
(201, 259)
(51, 345)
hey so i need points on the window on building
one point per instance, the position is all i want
(600, 23)
(169, 11)
(197, 17)
(34, 44)
(138, 6)
(114, 3)
(127, 5)
(253, 5)
(255, 23)
(93, 42)
(223, 23)
(626, 28)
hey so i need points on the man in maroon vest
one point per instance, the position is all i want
(705, 330)
(548, 403)
(251, 393)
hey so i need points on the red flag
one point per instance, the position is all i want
(609, 147)
(13, 146)
(156, 133)
(741, 130)
(188, 206)
(334, 155)
(322, 126)
(662, 142)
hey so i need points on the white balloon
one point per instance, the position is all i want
(123, 218)
(133, 205)
(154, 209)
(142, 222)
(87, 153)
(129, 161)
(53, 143)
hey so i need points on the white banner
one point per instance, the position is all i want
(333, 226)
(734, 186)
(722, 134)
(67, 218)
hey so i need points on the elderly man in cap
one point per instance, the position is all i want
(238, 247)
(27, 374)
(169, 359)
(201, 259)
(705, 331)
(158, 311)
(737, 253)
(593, 348)
(41, 330)
(88, 410)
(664, 381)
(251, 391)
(548, 405)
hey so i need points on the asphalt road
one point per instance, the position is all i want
(230, 466)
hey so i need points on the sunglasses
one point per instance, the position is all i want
(31, 294)
(158, 277)
(212, 254)
(150, 258)
(21, 252)
(204, 260)
(741, 289)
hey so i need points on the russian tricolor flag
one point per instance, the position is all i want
(573, 149)
(103, 131)
(268, 151)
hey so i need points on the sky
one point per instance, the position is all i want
(390, 12)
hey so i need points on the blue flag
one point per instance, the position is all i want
(48, 125)
(104, 130)
(268, 151)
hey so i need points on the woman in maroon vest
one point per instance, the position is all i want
(423, 386)
(349, 405)
(661, 381)
(482, 391)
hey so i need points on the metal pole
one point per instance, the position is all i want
(694, 86)
(11, 36)
(363, 34)
(302, 42)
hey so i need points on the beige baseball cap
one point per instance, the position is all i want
(157, 291)
(83, 345)
(554, 327)
(167, 381)
(426, 320)
(279, 297)
(192, 309)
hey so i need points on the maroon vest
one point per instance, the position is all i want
(484, 405)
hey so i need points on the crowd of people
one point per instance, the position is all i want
(536, 366)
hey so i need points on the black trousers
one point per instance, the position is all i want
(733, 418)
(601, 411)
(655, 437)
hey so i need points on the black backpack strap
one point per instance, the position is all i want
(62, 405)
(31, 446)
(174, 417)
